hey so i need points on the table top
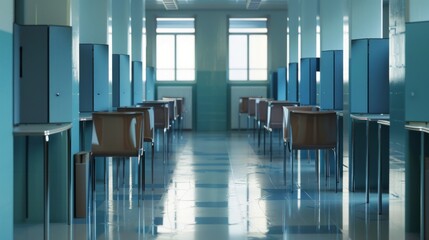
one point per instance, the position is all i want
(155, 102)
(370, 117)
(85, 116)
(417, 126)
(384, 122)
(40, 129)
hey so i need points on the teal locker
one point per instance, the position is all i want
(94, 77)
(121, 85)
(307, 85)
(150, 83)
(43, 74)
(331, 79)
(137, 82)
(416, 76)
(281, 83)
(369, 76)
(292, 83)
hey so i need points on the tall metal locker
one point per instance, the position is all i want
(292, 84)
(331, 79)
(307, 85)
(94, 77)
(137, 82)
(281, 83)
(416, 76)
(121, 85)
(273, 85)
(369, 76)
(43, 74)
(150, 83)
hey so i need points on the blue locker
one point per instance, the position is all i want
(121, 85)
(292, 89)
(416, 80)
(150, 83)
(369, 76)
(307, 85)
(281, 83)
(43, 74)
(137, 82)
(331, 79)
(94, 77)
(273, 85)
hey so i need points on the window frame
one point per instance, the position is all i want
(248, 69)
(175, 34)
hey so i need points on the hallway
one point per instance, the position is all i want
(221, 186)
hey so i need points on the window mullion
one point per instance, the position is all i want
(248, 57)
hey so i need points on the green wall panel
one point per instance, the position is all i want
(211, 101)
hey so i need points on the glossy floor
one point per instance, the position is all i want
(222, 186)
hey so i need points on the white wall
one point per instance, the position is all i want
(41, 12)
(331, 24)
(418, 10)
(367, 19)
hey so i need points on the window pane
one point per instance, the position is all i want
(258, 74)
(165, 51)
(235, 75)
(237, 51)
(185, 51)
(257, 51)
(165, 75)
(186, 75)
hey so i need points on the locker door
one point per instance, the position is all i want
(60, 74)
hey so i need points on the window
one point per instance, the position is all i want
(175, 49)
(248, 50)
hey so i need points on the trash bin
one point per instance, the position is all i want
(81, 166)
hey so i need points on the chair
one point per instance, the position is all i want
(149, 128)
(161, 120)
(311, 130)
(251, 113)
(242, 108)
(262, 116)
(117, 134)
(275, 120)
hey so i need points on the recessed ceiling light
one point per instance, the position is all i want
(170, 4)
(253, 4)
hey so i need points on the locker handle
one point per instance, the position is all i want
(20, 62)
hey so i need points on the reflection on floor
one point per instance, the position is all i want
(222, 186)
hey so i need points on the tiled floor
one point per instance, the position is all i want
(222, 186)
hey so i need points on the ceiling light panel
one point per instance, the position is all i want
(170, 4)
(253, 4)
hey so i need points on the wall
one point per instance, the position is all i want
(210, 107)
(6, 146)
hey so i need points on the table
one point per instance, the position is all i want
(45, 130)
(84, 117)
(381, 123)
(367, 118)
(423, 129)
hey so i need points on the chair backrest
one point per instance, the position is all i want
(275, 113)
(243, 104)
(149, 120)
(312, 129)
(161, 113)
(263, 110)
(251, 107)
(179, 105)
(286, 124)
(172, 107)
(117, 134)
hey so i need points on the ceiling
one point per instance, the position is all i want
(217, 4)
